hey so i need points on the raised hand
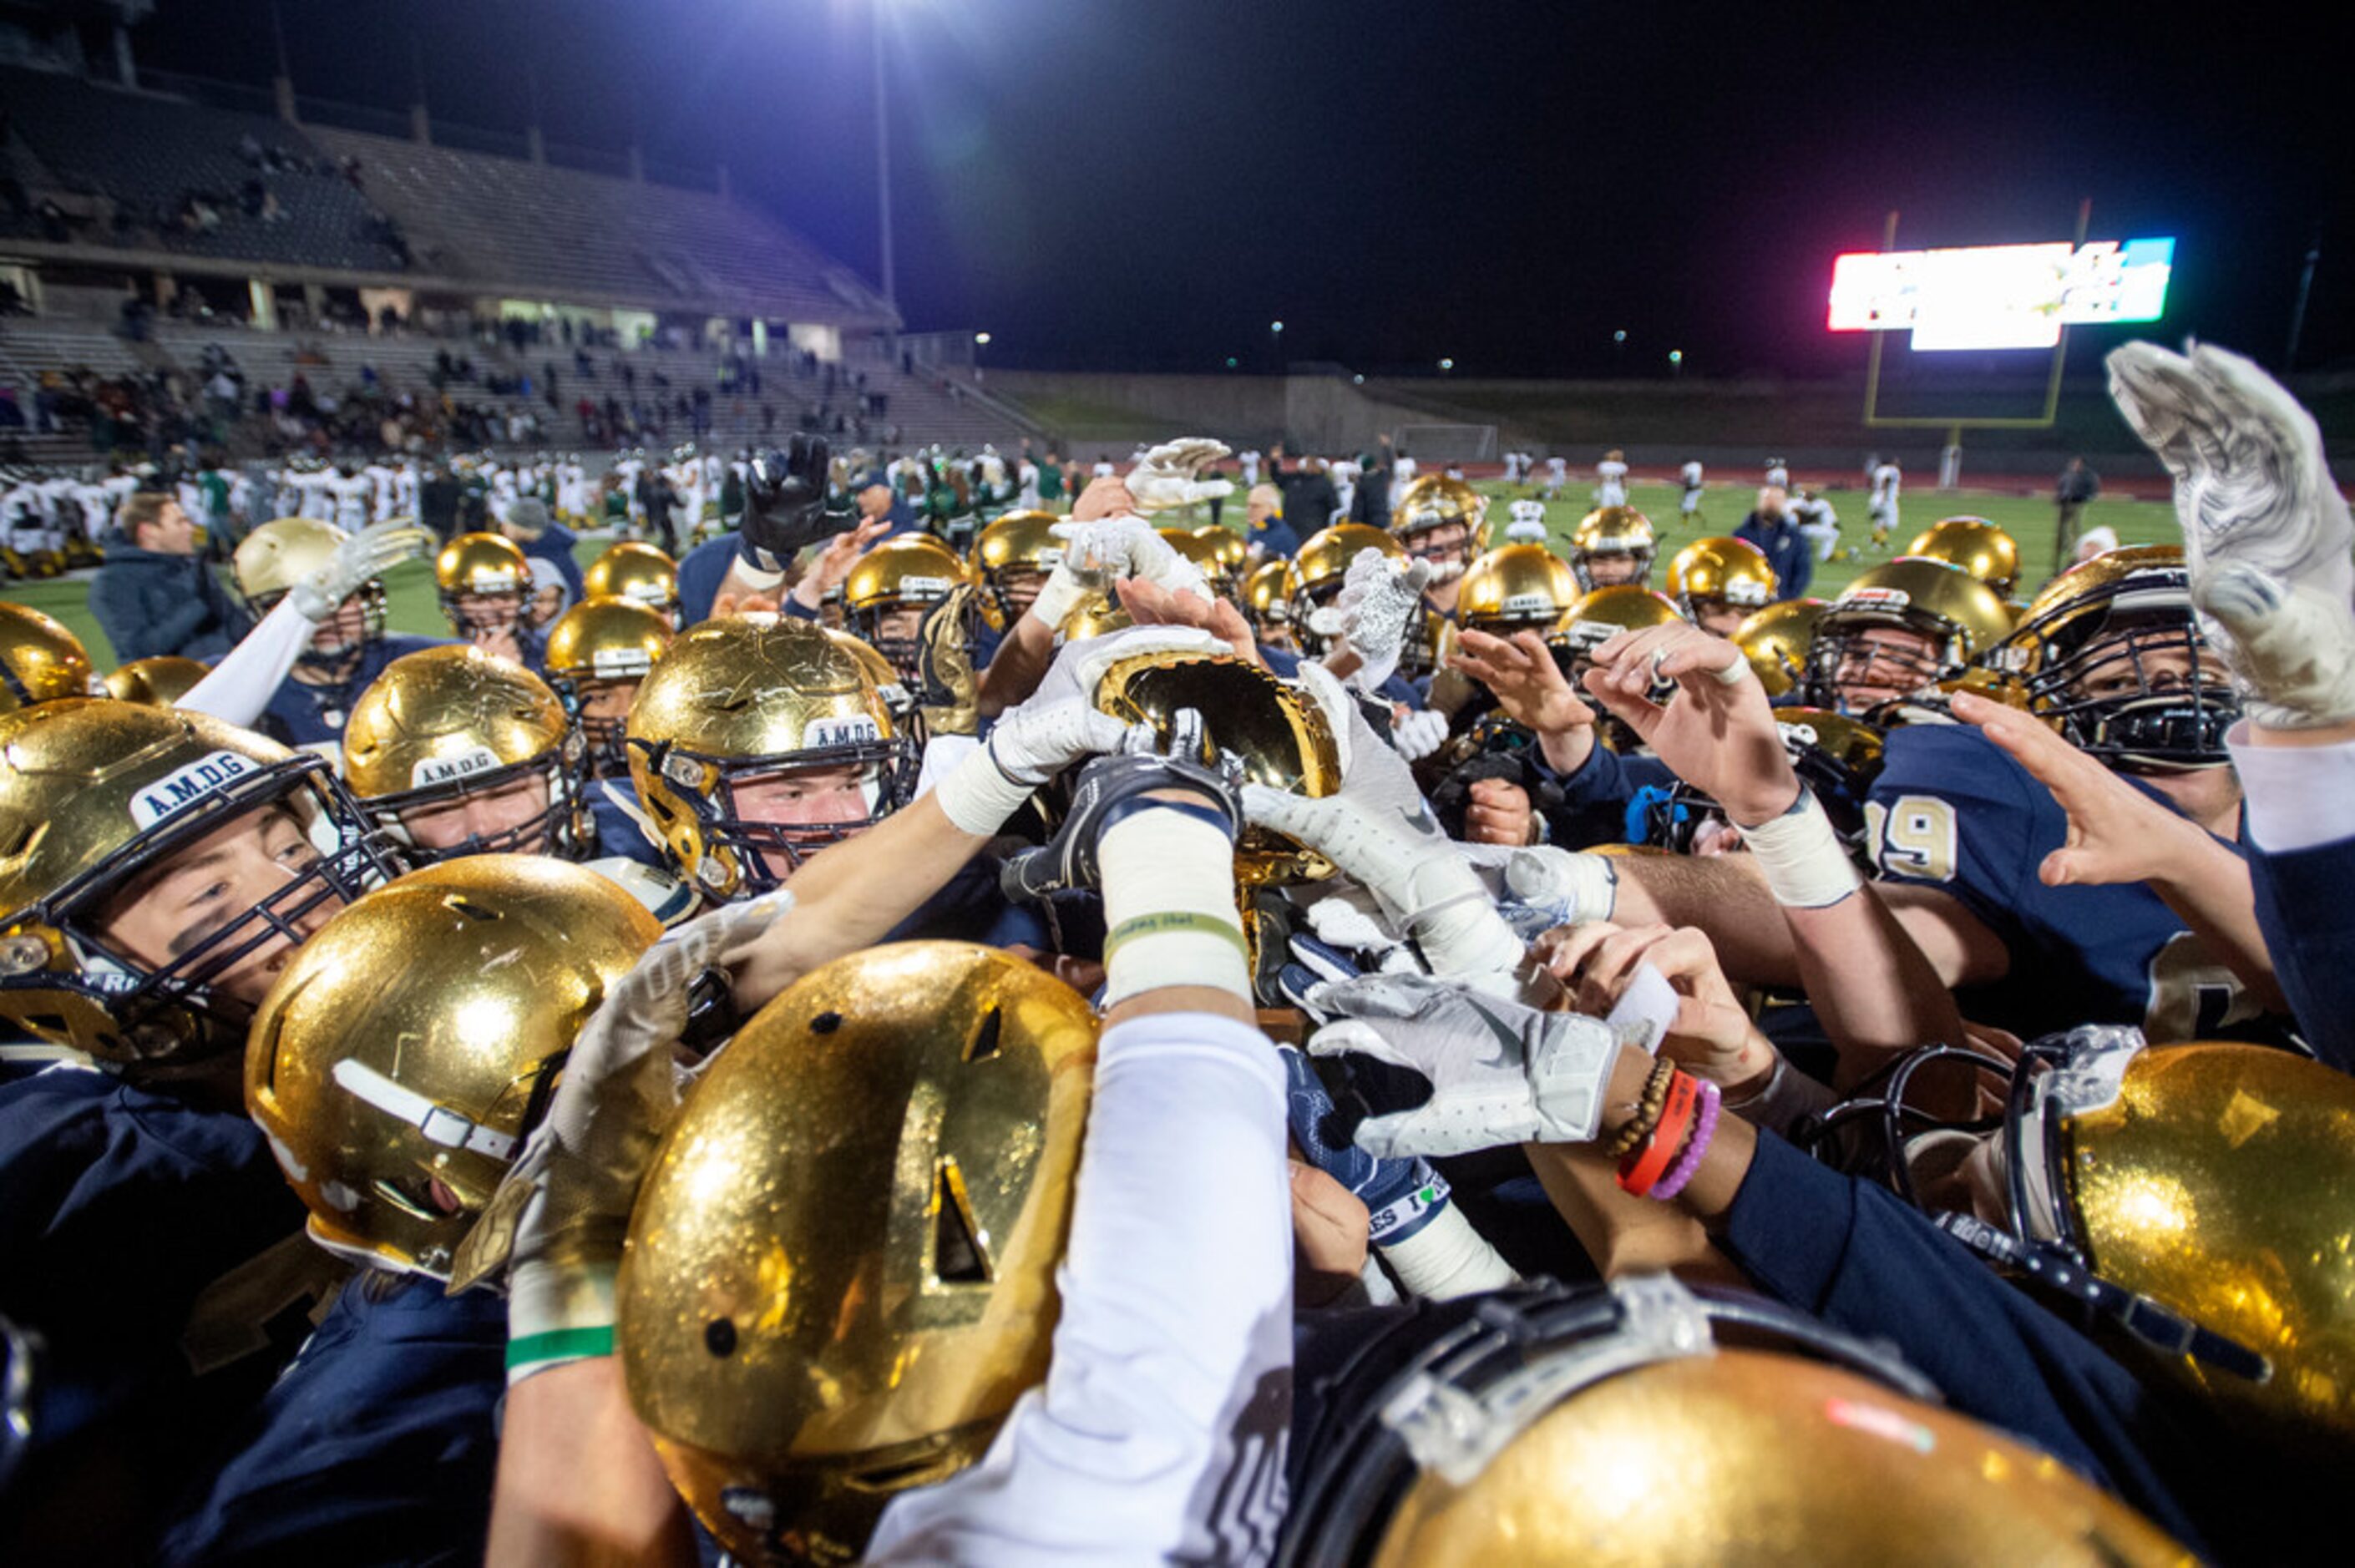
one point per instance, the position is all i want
(357, 562)
(1380, 602)
(1168, 477)
(1719, 734)
(1530, 690)
(784, 504)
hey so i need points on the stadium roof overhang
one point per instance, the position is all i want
(835, 313)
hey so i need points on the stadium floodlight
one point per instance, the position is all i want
(1675, 356)
(1446, 364)
(1356, 380)
(1619, 336)
(1276, 327)
(1231, 362)
(980, 340)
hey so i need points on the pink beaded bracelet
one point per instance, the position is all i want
(1688, 1162)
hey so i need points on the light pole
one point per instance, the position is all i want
(882, 162)
(1275, 341)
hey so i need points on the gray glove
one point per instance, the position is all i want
(357, 561)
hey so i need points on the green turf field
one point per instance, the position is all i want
(410, 588)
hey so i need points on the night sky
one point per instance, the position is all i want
(1145, 184)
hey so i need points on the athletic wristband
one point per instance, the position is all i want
(1640, 1172)
(1169, 906)
(1397, 1221)
(1806, 867)
(557, 1316)
(1696, 1148)
(1648, 1107)
(1447, 1259)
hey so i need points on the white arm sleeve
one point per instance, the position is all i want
(2300, 796)
(1159, 1433)
(248, 674)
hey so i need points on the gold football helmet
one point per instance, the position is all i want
(1645, 1423)
(1601, 615)
(99, 801)
(1201, 546)
(639, 573)
(1266, 599)
(454, 727)
(754, 702)
(1609, 533)
(1977, 545)
(278, 554)
(159, 681)
(1721, 571)
(841, 1267)
(1517, 587)
(1434, 505)
(486, 568)
(414, 1043)
(891, 588)
(1234, 552)
(1775, 640)
(597, 653)
(1013, 557)
(1276, 732)
(40, 659)
(2112, 653)
(1320, 566)
(1960, 619)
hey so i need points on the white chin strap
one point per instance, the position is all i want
(439, 1123)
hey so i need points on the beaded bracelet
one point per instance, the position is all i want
(1641, 1172)
(1696, 1148)
(1648, 1107)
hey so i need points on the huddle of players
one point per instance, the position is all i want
(820, 1267)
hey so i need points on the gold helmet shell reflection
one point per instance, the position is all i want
(2220, 1180)
(1267, 594)
(1599, 616)
(279, 554)
(1322, 559)
(637, 572)
(412, 1044)
(1733, 571)
(1517, 587)
(1754, 1457)
(1977, 545)
(1276, 732)
(1775, 642)
(1435, 501)
(159, 681)
(607, 639)
(840, 1273)
(1199, 547)
(40, 659)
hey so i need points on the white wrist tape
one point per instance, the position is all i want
(978, 796)
(1169, 906)
(557, 1316)
(1057, 598)
(1806, 867)
(1448, 1258)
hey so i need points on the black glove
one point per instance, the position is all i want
(784, 504)
(1109, 789)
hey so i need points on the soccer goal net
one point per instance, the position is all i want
(1446, 443)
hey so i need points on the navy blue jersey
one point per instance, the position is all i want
(611, 801)
(160, 1252)
(306, 716)
(377, 1446)
(1602, 798)
(1950, 810)
(2309, 928)
(969, 907)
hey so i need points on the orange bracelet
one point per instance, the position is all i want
(1640, 1172)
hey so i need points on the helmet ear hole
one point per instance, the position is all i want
(960, 1254)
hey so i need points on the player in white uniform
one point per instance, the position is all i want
(1817, 521)
(352, 491)
(1249, 462)
(1556, 480)
(1778, 474)
(1688, 506)
(1611, 480)
(318, 489)
(1886, 480)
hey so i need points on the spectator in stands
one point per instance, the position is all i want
(155, 595)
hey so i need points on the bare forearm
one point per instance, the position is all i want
(1872, 987)
(1017, 666)
(2214, 894)
(1725, 897)
(578, 1482)
(849, 894)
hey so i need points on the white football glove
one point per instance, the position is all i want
(1500, 1072)
(1418, 733)
(1380, 600)
(1098, 553)
(357, 561)
(1168, 477)
(1541, 886)
(1379, 831)
(2267, 535)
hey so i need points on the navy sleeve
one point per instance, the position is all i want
(1852, 1255)
(1801, 562)
(2309, 928)
(1607, 780)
